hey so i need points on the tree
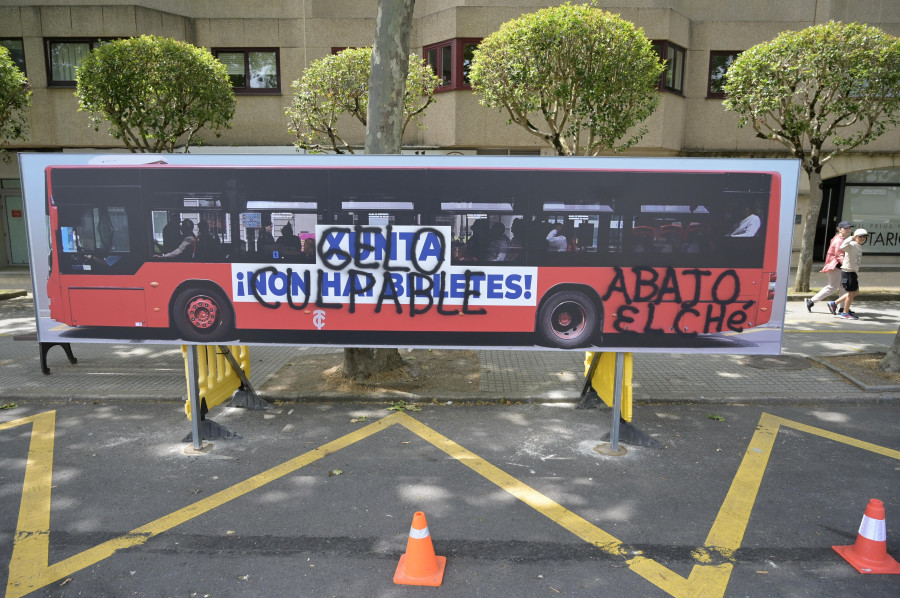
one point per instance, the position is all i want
(15, 98)
(154, 92)
(819, 92)
(386, 120)
(576, 76)
(339, 85)
(891, 361)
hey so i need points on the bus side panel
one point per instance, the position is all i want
(101, 306)
(164, 280)
(669, 300)
(364, 318)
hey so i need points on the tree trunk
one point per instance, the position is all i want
(387, 79)
(384, 132)
(808, 236)
(891, 361)
(362, 363)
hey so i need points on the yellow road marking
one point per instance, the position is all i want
(30, 569)
(842, 331)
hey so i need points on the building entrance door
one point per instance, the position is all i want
(16, 239)
(829, 215)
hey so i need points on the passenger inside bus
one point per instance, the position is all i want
(309, 250)
(185, 251)
(498, 248)
(171, 234)
(476, 247)
(209, 249)
(288, 244)
(556, 239)
(749, 226)
(266, 242)
(517, 243)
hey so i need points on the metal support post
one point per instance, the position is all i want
(245, 382)
(246, 396)
(617, 403)
(589, 377)
(194, 396)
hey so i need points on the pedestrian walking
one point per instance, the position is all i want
(833, 259)
(852, 248)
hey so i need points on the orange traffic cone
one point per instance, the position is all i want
(419, 566)
(869, 554)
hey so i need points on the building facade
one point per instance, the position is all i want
(266, 45)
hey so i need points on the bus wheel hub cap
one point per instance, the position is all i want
(202, 312)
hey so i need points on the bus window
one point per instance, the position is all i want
(693, 235)
(93, 239)
(579, 228)
(483, 232)
(377, 197)
(282, 230)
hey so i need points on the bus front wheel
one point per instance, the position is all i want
(202, 315)
(567, 320)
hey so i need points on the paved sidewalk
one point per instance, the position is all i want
(156, 372)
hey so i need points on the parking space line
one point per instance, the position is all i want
(30, 569)
(32, 539)
(662, 577)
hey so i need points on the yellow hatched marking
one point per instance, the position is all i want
(30, 570)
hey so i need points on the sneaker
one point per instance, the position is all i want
(832, 307)
(809, 304)
(849, 316)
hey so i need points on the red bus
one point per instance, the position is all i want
(398, 254)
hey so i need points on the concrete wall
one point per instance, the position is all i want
(305, 30)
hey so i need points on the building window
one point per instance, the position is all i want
(64, 56)
(16, 51)
(252, 70)
(672, 79)
(719, 62)
(451, 61)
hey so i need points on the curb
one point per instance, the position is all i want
(876, 295)
(12, 294)
(873, 395)
(862, 385)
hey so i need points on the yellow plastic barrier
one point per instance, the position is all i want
(604, 379)
(216, 379)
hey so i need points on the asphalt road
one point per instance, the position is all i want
(741, 501)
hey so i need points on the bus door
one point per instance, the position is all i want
(98, 252)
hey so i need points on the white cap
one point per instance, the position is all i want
(860, 232)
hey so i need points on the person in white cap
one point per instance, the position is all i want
(852, 248)
(833, 260)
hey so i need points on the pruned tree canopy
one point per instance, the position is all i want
(819, 92)
(339, 84)
(155, 93)
(576, 76)
(15, 98)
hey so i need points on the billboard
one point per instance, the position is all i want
(631, 254)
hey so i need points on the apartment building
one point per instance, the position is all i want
(265, 46)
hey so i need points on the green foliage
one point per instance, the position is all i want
(576, 76)
(155, 93)
(403, 406)
(833, 84)
(339, 84)
(15, 98)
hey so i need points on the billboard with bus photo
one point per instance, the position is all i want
(609, 254)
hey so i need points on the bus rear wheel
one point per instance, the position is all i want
(567, 320)
(202, 315)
